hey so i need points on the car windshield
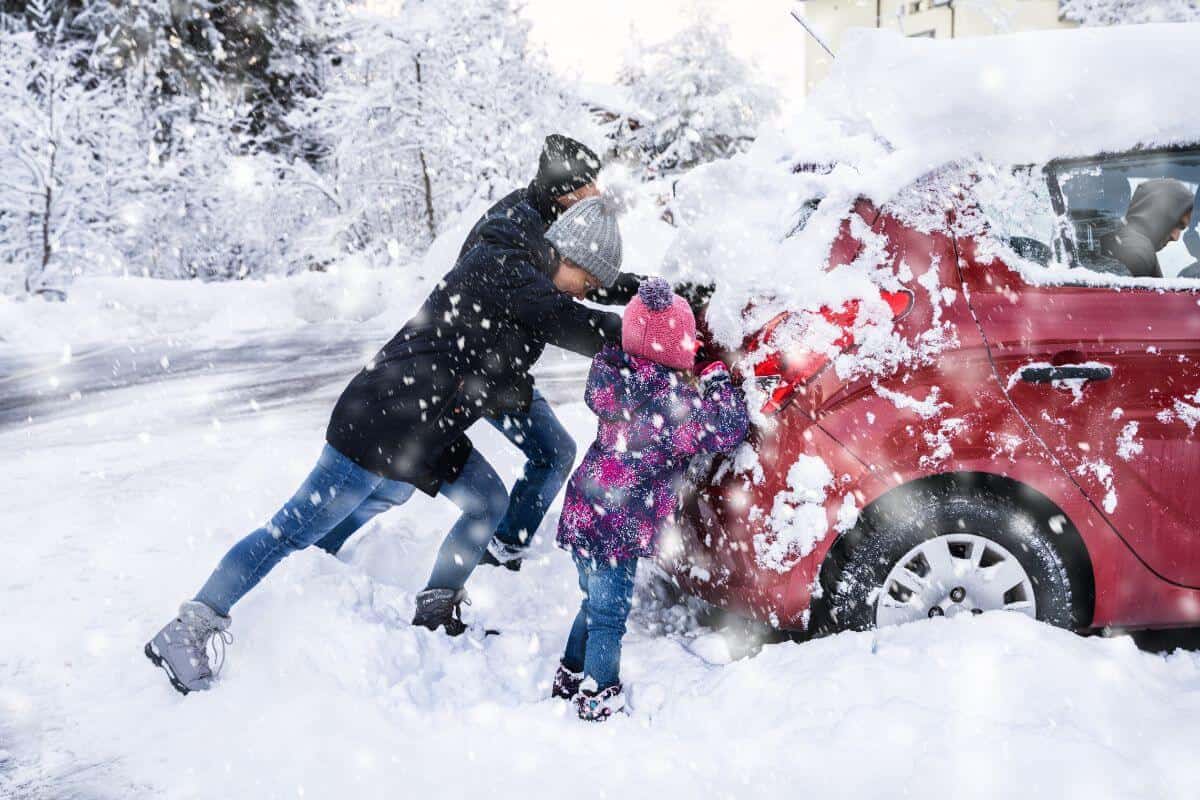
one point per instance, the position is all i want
(1133, 214)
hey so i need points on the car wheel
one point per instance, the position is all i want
(930, 553)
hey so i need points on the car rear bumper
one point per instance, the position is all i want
(714, 554)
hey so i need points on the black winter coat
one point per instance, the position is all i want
(466, 353)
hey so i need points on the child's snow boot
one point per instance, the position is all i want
(181, 647)
(499, 554)
(598, 706)
(441, 608)
(566, 683)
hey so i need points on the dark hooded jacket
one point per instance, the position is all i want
(1155, 210)
(466, 353)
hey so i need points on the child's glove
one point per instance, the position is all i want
(713, 373)
(696, 294)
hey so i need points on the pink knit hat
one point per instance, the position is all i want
(659, 325)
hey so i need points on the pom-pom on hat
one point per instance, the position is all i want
(659, 325)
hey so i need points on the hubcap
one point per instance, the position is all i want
(958, 573)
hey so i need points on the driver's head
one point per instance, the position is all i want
(567, 170)
(1160, 210)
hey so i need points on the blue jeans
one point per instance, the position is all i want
(594, 645)
(336, 499)
(550, 454)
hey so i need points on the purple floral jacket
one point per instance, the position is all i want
(651, 423)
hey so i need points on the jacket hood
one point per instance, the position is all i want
(543, 203)
(620, 383)
(1156, 208)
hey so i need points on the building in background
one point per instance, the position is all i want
(938, 19)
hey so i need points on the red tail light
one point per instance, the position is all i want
(792, 370)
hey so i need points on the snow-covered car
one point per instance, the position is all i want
(1008, 420)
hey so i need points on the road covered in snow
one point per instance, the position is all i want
(127, 473)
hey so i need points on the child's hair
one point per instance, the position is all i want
(659, 326)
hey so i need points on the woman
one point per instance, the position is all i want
(401, 423)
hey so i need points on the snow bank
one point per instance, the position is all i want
(114, 310)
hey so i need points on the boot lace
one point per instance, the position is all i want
(219, 640)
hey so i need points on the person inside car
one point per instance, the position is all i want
(1191, 242)
(1157, 215)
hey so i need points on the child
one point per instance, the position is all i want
(653, 418)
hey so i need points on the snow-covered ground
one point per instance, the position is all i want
(118, 502)
(146, 426)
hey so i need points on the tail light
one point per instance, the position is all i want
(788, 372)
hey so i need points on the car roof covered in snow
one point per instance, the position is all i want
(1020, 98)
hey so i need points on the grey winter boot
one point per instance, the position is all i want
(181, 647)
(441, 608)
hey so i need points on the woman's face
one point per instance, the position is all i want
(572, 279)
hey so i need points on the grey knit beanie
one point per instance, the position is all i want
(587, 233)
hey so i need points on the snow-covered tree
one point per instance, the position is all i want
(266, 56)
(68, 157)
(427, 112)
(223, 140)
(1118, 12)
(704, 102)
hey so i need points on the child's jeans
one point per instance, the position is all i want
(594, 646)
(338, 498)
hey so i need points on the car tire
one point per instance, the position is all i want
(854, 575)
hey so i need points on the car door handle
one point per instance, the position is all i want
(1066, 372)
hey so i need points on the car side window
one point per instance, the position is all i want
(1132, 215)
(1016, 203)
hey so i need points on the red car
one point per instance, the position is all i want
(1046, 462)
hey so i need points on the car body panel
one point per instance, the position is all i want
(956, 413)
(1121, 439)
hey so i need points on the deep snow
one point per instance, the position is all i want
(117, 504)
